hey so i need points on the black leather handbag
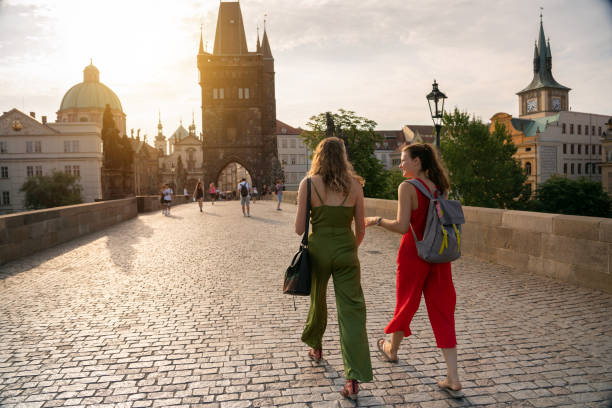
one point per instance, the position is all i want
(297, 277)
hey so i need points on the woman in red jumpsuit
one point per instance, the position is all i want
(416, 276)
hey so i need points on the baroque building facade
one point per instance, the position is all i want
(238, 102)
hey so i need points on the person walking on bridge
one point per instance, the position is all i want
(245, 197)
(213, 193)
(198, 193)
(167, 198)
(416, 277)
(336, 202)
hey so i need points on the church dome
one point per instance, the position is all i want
(90, 93)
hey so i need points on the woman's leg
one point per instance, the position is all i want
(316, 323)
(352, 322)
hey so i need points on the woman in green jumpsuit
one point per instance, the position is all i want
(337, 200)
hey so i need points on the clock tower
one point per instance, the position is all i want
(543, 96)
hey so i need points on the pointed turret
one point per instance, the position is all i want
(265, 46)
(536, 58)
(160, 139)
(201, 51)
(258, 44)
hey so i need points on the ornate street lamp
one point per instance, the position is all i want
(435, 99)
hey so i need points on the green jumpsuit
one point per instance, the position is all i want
(333, 252)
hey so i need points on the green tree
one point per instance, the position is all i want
(54, 190)
(393, 178)
(118, 153)
(483, 170)
(560, 195)
(360, 138)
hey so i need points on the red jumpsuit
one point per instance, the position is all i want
(415, 276)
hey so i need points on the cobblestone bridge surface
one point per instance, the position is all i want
(187, 311)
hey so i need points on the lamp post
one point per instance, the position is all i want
(435, 100)
(172, 170)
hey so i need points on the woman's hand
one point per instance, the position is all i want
(369, 221)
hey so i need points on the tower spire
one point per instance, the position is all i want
(265, 44)
(258, 44)
(201, 51)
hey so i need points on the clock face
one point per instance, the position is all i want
(556, 104)
(531, 105)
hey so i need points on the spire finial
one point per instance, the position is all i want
(192, 117)
(541, 10)
(91, 61)
(265, 20)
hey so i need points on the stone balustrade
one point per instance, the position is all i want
(570, 248)
(24, 233)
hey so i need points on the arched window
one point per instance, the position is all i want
(528, 168)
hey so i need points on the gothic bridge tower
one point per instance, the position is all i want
(238, 101)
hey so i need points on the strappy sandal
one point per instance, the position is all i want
(444, 386)
(315, 354)
(350, 390)
(381, 350)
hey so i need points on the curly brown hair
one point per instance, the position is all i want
(331, 163)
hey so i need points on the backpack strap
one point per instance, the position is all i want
(305, 237)
(421, 187)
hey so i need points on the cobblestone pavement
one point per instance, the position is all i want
(187, 311)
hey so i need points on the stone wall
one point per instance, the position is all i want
(24, 233)
(570, 248)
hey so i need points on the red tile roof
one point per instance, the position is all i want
(288, 129)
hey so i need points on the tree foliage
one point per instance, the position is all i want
(54, 190)
(561, 195)
(118, 153)
(481, 164)
(360, 141)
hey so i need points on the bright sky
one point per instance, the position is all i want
(375, 57)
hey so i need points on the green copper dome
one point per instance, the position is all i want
(90, 93)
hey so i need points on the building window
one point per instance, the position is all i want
(528, 168)
(564, 168)
(579, 168)
(37, 147)
(292, 143)
(579, 129)
(39, 170)
(246, 93)
(29, 147)
(76, 171)
(599, 149)
(579, 149)
(586, 148)
(599, 131)
(563, 128)
(571, 128)
(4, 172)
(284, 143)
(215, 93)
(240, 93)
(3, 147)
(528, 149)
(572, 168)
(586, 168)
(68, 169)
(564, 148)
(66, 146)
(592, 149)
(30, 171)
(593, 130)
(6, 198)
(586, 130)
(599, 169)
(572, 148)
(75, 146)
(221, 93)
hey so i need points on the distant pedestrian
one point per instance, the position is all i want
(336, 201)
(198, 193)
(255, 194)
(245, 198)
(162, 203)
(415, 277)
(168, 198)
(213, 193)
(279, 193)
(185, 193)
(263, 191)
(269, 192)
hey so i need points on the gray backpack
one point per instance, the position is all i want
(442, 238)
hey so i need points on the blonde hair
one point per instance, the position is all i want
(331, 163)
(430, 164)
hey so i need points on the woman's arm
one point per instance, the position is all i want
(300, 216)
(359, 213)
(401, 224)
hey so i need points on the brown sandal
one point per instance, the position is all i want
(381, 349)
(315, 354)
(351, 389)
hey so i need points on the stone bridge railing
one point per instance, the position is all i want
(24, 233)
(570, 248)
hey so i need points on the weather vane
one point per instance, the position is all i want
(541, 9)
